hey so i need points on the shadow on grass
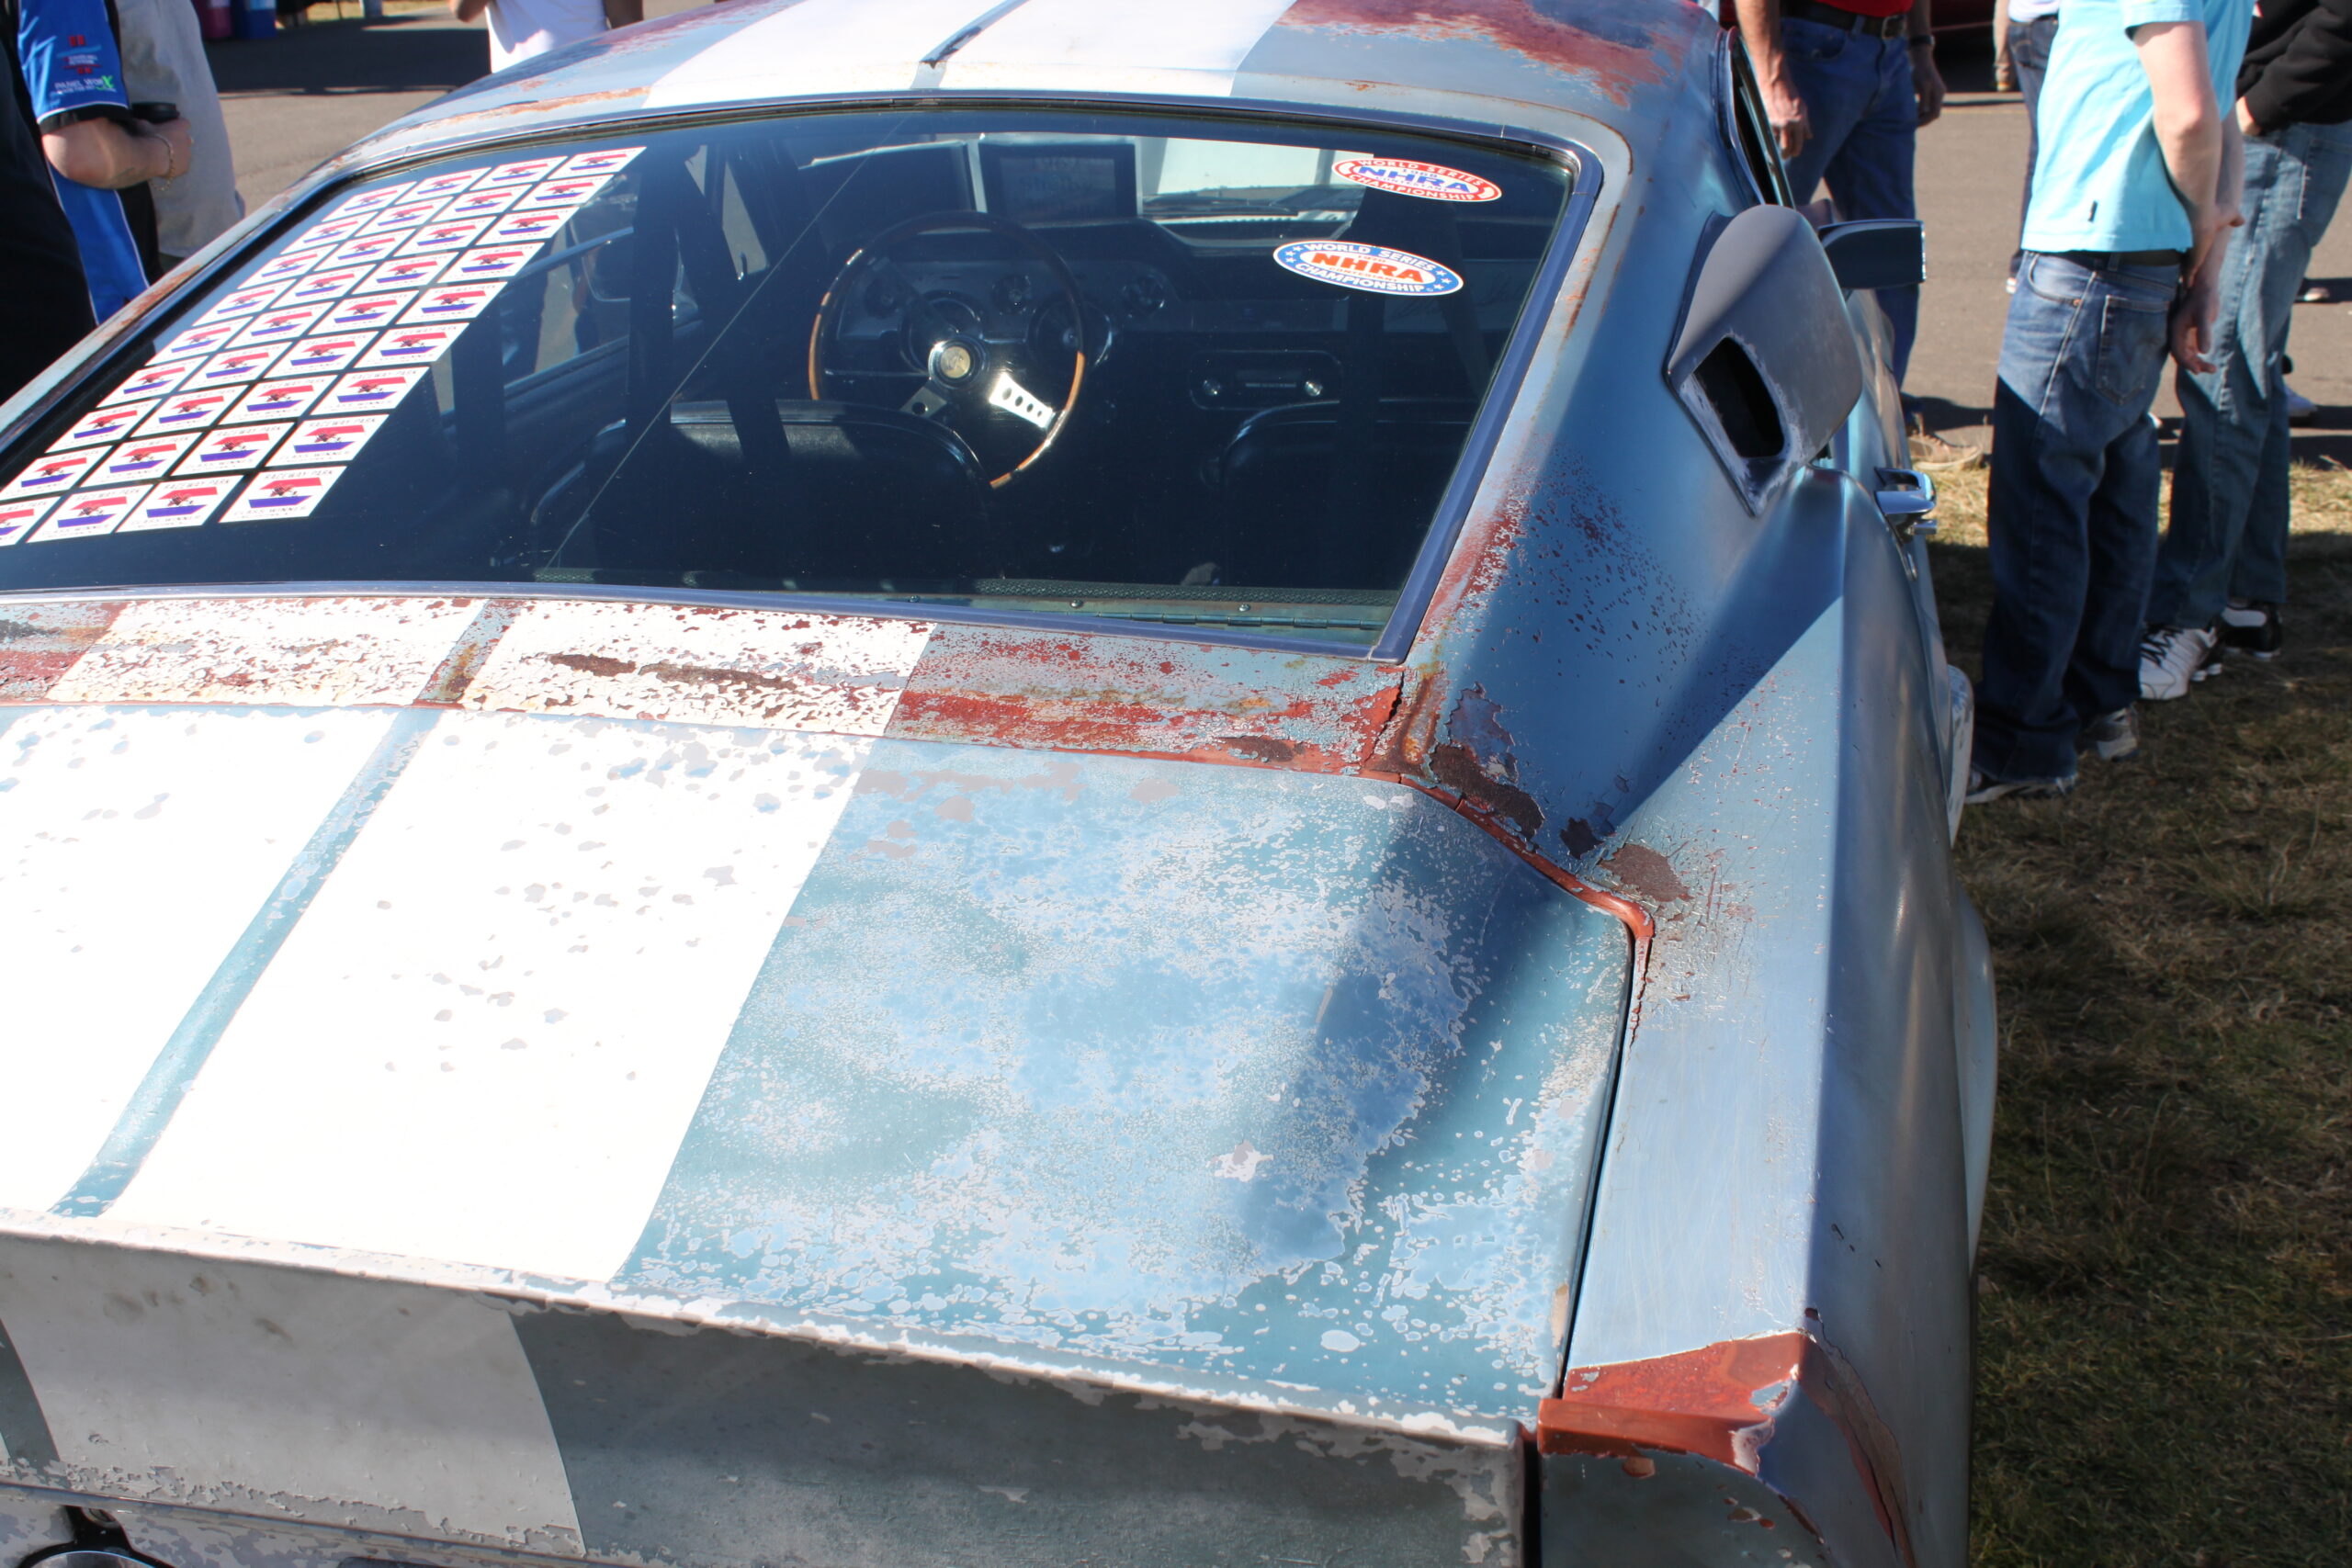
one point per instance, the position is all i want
(2166, 1356)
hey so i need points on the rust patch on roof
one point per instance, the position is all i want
(40, 642)
(1608, 40)
(1645, 871)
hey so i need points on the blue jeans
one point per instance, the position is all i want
(1865, 113)
(2228, 537)
(2070, 513)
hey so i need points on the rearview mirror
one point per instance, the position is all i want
(1877, 252)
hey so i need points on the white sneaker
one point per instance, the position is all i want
(2173, 659)
(2300, 410)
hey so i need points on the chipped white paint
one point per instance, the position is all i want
(139, 843)
(486, 1038)
(297, 652)
(830, 675)
(305, 1393)
(818, 46)
(1190, 49)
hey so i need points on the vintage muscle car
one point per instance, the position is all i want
(900, 783)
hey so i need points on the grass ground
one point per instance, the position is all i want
(2165, 1354)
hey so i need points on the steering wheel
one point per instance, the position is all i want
(973, 355)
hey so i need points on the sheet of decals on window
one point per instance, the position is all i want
(250, 412)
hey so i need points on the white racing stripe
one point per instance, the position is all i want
(486, 1038)
(191, 1381)
(139, 845)
(818, 46)
(1191, 49)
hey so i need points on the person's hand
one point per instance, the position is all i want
(1791, 126)
(2192, 323)
(178, 149)
(2245, 120)
(1929, 84)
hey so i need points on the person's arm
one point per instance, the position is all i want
(111, 154)
(623, 13)
(1759, 29)
(466, 10)
(1925, 80)
(2304, 75)
(2199, 146)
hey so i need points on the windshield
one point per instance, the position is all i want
(1215, 373)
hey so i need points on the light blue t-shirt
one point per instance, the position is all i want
(2099, 182)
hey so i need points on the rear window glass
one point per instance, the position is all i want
(1148, 367)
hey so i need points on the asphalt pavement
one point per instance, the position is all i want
(296, 99)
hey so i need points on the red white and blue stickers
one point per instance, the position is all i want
(365, 313)
(243, 301)
(437, 237)
(317, 289)
(1376, 269)
(369, 201)
(447, 185)
(288, 265)
(207, 338)
(289, 398)
(237, 366)
(101, 425)
(333, 232)
(17, 517)
(401, 216)
(371, 391)
(405, 272)
(231, 448)
(193, 409)
(410, 345)
(151, 382)
(136, 462)
(87, 514)
(281, 493)
(276, 325)
(479, 204)
(452, 302)
(490, 262)
(526, 227)
(522, 174)
(365, 251)
(564, 190)
(324, 355)
(177, 504)
(336, 439)
(611, 161)
(51, 474)
(1406, 176)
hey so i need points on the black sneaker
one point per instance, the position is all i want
(2254, 629)
(2112, 736)
(1981, 787)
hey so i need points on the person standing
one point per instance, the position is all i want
(2133, 196)
(1847, 85)
(520, 28)
(2221, 571)
(44, 304)
(163, 62)
(2029, 28)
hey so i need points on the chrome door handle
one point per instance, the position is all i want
(1907, 499)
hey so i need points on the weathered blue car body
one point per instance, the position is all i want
(686, 1079)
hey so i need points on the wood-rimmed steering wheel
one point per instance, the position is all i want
(974, 359)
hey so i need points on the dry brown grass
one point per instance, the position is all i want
(2166, 1358)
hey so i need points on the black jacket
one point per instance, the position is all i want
(2299, 64)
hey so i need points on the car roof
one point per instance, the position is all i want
(1548, 66)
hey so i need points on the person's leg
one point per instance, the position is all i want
(1835, 75)
(1871, 174)
(2104, 674)
(2029, 58)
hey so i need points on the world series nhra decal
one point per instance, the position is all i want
(562, 191)
(148, 459)
(326, 355)
(239, 302)
(231, 449)
(289, 264)
(177, 504)
(335, 440)
(237, 365)
(86, 513)
(365, 251)
(333, 231)
(437, 237)
(199, 340)
(281, 493)
(405, 272)
(452, 302)
(1376, 269)
(286, 399)
(100, 426)
(611, 161)
(1405, 176)
(491, 262)
(526, 227)
(372, 390)
(365, 313)
(521, 173)
(410, 345)
(369, 201)
(403, 216)
(186, 411)
(151, 382)
(321, 286)
(445, 185)
(278, 326)
(481, 204)
(50, 475)
(17, 517)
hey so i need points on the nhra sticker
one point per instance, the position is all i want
(365, 313)
(177, 504)
(406, 271)
(52, 475)
(86, 513)
(407, 215)
(279, 326)
(231, 449)
(292, 264)
(369, 201)
(1376, 269)
(280, 493)
(481, 204)
(526, 227)
(492, 261)
(278, 400)
(370, 390)
(185, 411)
(451, 302)
(197, 340)
(366, 250)
(447, 185)
(611, 161)
(437, 237)
(151, 382)
(333, 231)
(332, 440)
(321, 286)
(410, 345)
(563, 192)
(237, 365)
(101, 425)
(17, 518)
(325, 356)
(521, 173)
(148, 459)
(1403, 176)
(243, 301)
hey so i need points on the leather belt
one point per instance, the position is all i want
(2101, 261)
(1838, 16)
